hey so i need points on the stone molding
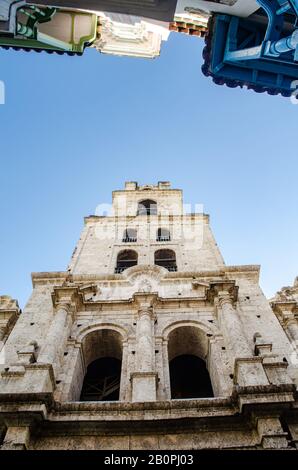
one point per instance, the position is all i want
(223, 291)
(286, 311)
(9, 313)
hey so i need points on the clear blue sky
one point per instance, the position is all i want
(75, 128)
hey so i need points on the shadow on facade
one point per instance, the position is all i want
(189, 376)
(103, 354)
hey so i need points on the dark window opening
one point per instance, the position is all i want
(147, 207)
(163, 235)
(102, 381)
(129, 235)
(189, 378)
(126, 259)
(166, 259)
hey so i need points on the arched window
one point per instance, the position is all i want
(147, 207)
(126, 259)
(163, 235)
(189, 376)
(130, 235)
(102, 350)
(166, 259)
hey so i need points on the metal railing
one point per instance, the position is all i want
(163, 239)
(169, 267)
(129, 240)
(119, 270)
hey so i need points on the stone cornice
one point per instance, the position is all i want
(7, 304)
(286, 311)
(153, 218)
(9, 313)
(158, 416)
(52, 278)
(288, 305)
(73, 297)
(175, 302)
(222, 288)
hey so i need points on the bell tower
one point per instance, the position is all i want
(149, 340)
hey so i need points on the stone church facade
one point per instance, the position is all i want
(149, 341)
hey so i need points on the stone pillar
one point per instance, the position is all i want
(16, 438)
(285, 312)
(144, 379)
(248, 369)
(218, 367)
(124, 379)
(231, 325)
(56, 335)
(166, 368)
(144, 347)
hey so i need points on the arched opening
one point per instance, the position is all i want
(102, 350)
(189, 377)
(166, 259)
(163, 235)
(130, 235)
(102, 380)
(126, 259)
(147, 207)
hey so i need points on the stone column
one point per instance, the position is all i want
(56, 335)
(166, 369)
(231, 325)
(286, 312)
(144, 349)
(124, 383)
(248, 369)
(218, 367)
(144, 378)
